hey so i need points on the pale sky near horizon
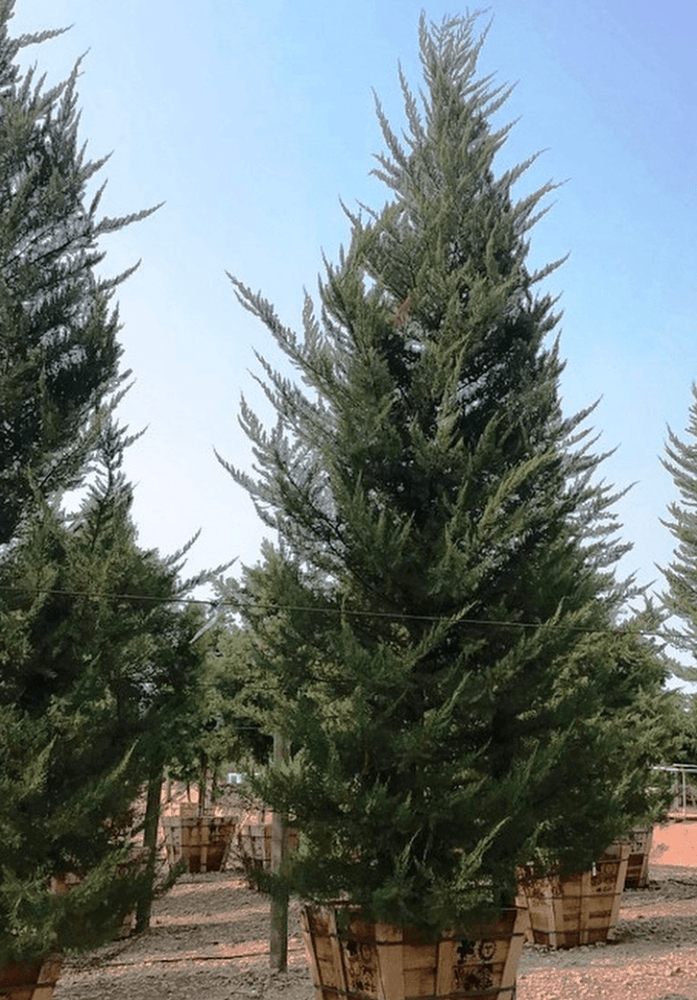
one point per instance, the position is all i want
(251, 120)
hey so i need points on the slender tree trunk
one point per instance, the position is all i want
(214, 781)
(203, 785)
(152, 818)
(278, 941)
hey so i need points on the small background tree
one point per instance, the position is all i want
(215, 734)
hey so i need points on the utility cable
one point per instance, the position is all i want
(218, 606)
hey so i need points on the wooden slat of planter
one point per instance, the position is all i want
(639, 842)
(173, 837)
(357, 950)
(31, 980)
(391, 974)
(418, 982)
(484, 963)
(578, 909)
(254, 839)
(324, 952)
(48, 977)
(195, 842)
(254, 843)
(521, 921)
(202, 842)
(384, 962)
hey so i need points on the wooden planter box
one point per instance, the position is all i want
(60, 884)
(352, 959)
(202, 842)
(639, 843)
(253, 841)
(30, 980)
(577, 909)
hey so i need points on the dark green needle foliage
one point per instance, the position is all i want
(95, 653)
(680, 600)
(58, 331)
(97, 669)
(438, 621)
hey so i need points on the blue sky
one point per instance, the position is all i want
(251, 120)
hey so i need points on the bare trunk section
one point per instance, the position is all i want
(278, 940)
(152, 819)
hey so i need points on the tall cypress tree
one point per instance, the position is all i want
(437, 624)
(58, 331)
(680, 599)
(88, 674)
(97, 670)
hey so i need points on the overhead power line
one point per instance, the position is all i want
(218, 606)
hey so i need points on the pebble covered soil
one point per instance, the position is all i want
(209, 941)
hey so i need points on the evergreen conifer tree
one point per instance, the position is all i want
(98, 667)
(436, 629)
(680, 600)
(95, 658)
(58, 332)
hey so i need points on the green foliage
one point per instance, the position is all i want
(436, 632)
(685, 725)
(680, 600)
(98, 669)
(254, 699)
(96, 662)
(216, 731)
(58, 348)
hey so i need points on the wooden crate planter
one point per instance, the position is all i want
(639, 843)
(253, 840)
(352, 959)
(202, 842)
(60, 884)
(577, 909)
(30, 980)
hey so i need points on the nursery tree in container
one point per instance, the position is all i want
(87, 668)
(98, 669)
(436, 629)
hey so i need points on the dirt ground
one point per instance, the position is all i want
(209, 939)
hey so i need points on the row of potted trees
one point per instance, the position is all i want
(560, 913)
(436, 636)
(349, 954)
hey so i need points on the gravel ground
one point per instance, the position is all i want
(209, 938)
(652, 954)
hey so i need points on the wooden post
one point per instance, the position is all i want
(278, 941)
